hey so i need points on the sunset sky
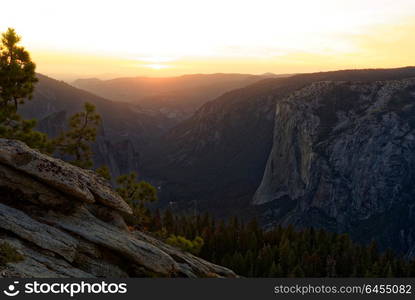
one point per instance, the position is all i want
(77, 39)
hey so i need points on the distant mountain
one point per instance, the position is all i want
(176, 97)
(126, 128)
(216, 159)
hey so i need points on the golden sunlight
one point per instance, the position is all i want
(156, 66)
(123, 38)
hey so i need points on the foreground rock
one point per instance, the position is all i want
(52, 213)
(343, 159)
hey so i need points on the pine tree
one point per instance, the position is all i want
(76, 142)
(104, 172)
(17, 83)
(273, 271)
(137, 194)
(297, 272)
(376, 272)
(156, 223)
(389, 272)
(168, 221)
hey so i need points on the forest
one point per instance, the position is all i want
(252, 251)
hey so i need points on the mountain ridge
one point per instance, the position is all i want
(177, 97)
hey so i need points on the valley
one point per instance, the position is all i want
(279, 149)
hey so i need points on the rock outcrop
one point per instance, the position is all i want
(66, 222)
(343, 159)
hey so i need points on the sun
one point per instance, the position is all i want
(156, 66)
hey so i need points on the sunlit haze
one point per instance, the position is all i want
(105, 39)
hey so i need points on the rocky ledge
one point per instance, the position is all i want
(63, 221)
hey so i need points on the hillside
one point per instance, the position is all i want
(126, 128)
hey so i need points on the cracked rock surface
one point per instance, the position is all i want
(50, 212)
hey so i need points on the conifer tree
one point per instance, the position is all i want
(104, 172)
(297, 272)
(137, 194)
(273, 271)
(76, 142)
(17, 83)
(168, 221)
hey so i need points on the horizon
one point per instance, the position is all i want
(259, 37)
(218, 73)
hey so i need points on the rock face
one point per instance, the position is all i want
(343, 159)
(218, 154)
(66, 222)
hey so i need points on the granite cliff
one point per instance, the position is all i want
(343, 159)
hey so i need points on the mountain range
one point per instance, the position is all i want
(176, 97)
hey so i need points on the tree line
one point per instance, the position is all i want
(251, 251)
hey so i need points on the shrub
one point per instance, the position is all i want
(181, 242)
(9, 254)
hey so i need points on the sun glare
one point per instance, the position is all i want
(156, 59)
(156, 66)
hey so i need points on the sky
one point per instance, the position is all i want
(108, 38)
